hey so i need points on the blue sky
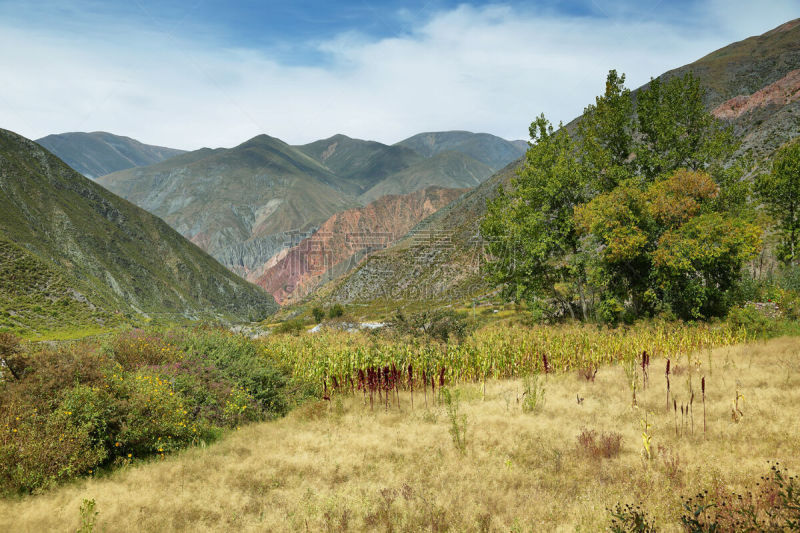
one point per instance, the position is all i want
(215, 73)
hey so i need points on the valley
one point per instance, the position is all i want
(594, 329)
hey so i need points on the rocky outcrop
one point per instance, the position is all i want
(252, 258)
(777, 94)
(346, 237)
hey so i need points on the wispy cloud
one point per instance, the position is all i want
(490, 68)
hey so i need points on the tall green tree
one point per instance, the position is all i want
(675, 130)
(780, 192)
(605, 136)
(530, 229)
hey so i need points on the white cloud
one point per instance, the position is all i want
(491, 69)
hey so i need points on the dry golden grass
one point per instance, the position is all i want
(342, 467)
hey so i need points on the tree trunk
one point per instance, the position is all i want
(583, 299)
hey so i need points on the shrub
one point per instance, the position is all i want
(753, 320)
(95, 410)
(240, 360)
(138, 348)
(294, 327)
(318, 314)
(602, 446)
(39, 450)
(51, 371)
(443, 324)
(205, 390)
(155, 418)
(11, 356)
(78, 407)
(335, 311)
(789, 304)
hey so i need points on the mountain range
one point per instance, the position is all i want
(74, 253)
(99, 153)
(246, 204)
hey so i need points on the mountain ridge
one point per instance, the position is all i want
(244, 204)
(97, 153)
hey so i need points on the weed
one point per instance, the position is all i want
(588, 371)
(736, 412)
(532, 393)
(629, 365)
(599, 446)
(703, 390)
(88, 516)
(671, 464)
(666, 374)
(457, 419)
(630, 519)
(646, 438)
(773, 506)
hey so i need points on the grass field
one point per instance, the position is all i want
(340, 466)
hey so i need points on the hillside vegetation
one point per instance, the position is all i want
(90, 250)
(72, 409)
(34, 296)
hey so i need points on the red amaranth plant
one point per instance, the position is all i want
(703, 389)
(667, 375)
(546, 364)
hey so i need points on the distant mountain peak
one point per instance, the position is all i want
(99, 153)
(489, 149)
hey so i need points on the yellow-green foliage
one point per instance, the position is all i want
(498, 351)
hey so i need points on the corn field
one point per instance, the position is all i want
(359, 362)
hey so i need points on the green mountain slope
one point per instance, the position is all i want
(455, 159)
(753, 84)
(68, 241)
(238, 204)
(360, 165)
(99, 153)
(35, 296)
(448, 169)
(490, 150)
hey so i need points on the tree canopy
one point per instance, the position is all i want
(625, 215)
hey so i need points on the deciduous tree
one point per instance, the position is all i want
(780, 192)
